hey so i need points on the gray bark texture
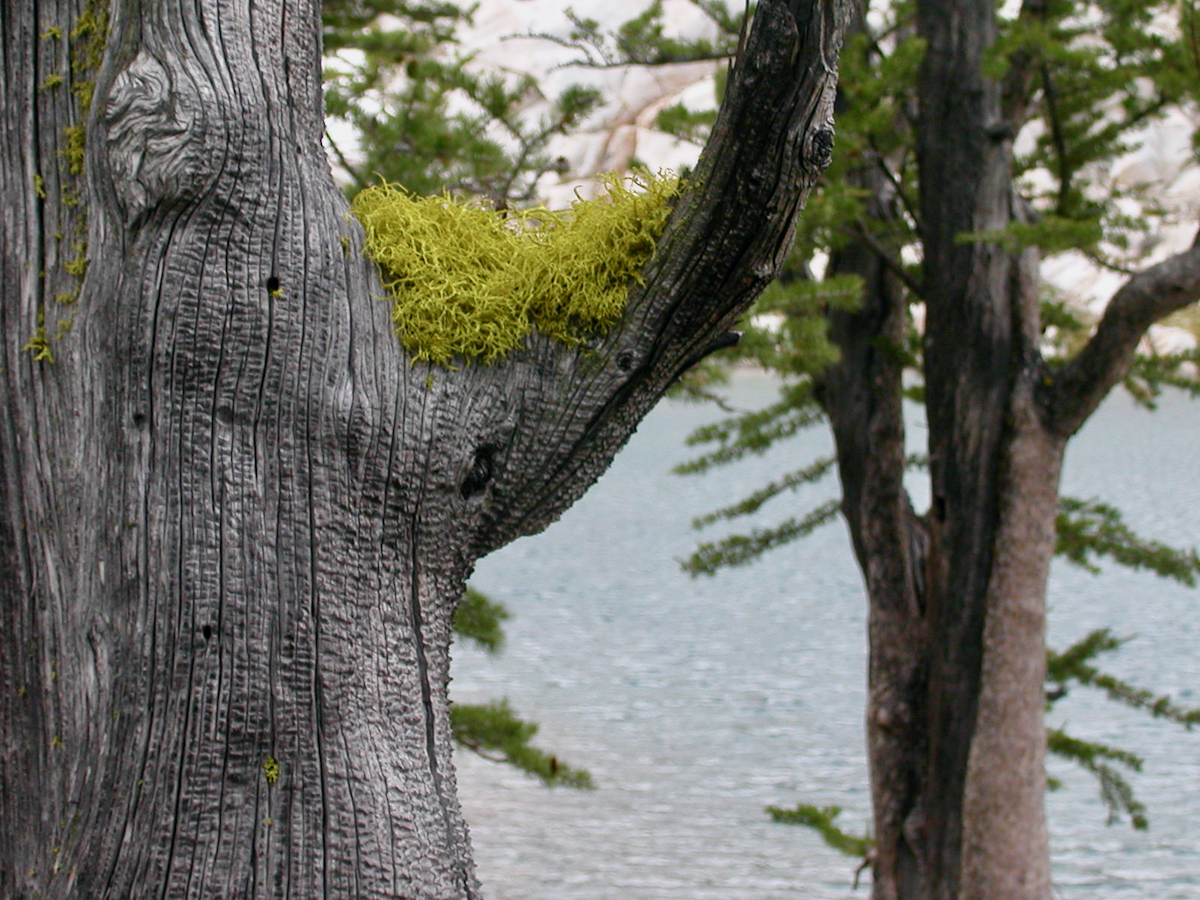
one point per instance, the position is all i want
(234, 519)
(957, 596)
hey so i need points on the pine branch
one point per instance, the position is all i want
(1115, 789)
(477, 619)
(790, 482)
(821, 820)
(1087, 529)
(1072, 665)
(495, 733)
(1150, 374)
(753, 433)
(740, 549)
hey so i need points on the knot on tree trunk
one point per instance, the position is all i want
(156, 123)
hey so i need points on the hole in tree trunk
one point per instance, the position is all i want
(481, 473)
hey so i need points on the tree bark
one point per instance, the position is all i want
(862, 396)
(956, 737)
(235, 518)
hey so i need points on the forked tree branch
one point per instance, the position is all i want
(730, 230)
(1073, 395)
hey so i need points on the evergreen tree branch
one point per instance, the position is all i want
(1115, 789)
(642, 42)
(753, 433)
(1057, 137)
(1152, 373)
(1073, 665)
(740, 549)
(478, 619)
(790, 482)
(821, 820)
(1088, 528)
(495, 733)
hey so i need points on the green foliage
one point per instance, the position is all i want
(1051, 234)
(470, 281)
(1087, 529)
(1104, 69)
(424, 117)
(492, 730)
(495, 733)
(478, 620)
(755, 501)
(822, 821)
(792, 337)
(1150, 374)
(1073, 667)
(643, 40)
(686, 124)
(754, 433)
(1095, 74)
(1115, 790)
(740, 549)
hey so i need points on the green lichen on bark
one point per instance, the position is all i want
(469, 281)
(39, 346)
(86, 41)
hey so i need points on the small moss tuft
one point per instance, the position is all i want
(78, 265)
(472, 282)
(74, 142)
(89, 36)
(39, 346)
(84, 91)
(270, 769)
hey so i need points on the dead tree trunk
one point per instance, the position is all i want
(234, 519)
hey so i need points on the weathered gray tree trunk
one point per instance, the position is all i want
(234, 519)
(956, 737)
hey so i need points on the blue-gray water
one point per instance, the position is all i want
(695, 703)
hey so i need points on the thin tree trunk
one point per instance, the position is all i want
(235, 519)
(956, 597)
(862, 397)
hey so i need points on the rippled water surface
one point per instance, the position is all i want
(695, 703)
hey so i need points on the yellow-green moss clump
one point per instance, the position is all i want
(469, 281)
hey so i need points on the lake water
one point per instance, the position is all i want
(696, 703)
